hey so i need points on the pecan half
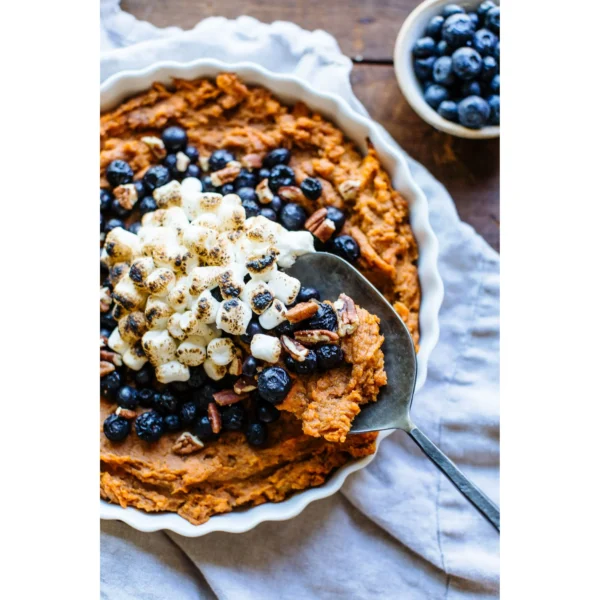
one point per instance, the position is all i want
(125, 413)
(319, 225)
(244, 385)
(156, 146)
(227, 397)
(111, 357)
(226, 175)
(349, 189)
(291, 193)
(316, 336)
(187, 444)
(302, 311)
(105, 300)
(214, 416)
(235, 367)
(251, 161)
(295, 349)
(347, 315)
(106, 368)
(263, 191)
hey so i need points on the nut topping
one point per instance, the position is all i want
(235, 368)
(227, 397)
(251, 161)
(214, 416)
(311, 337)
(125, 413)
(106, 368)
(263, 191)
(187, 444)
(347, 315)
(156, 146)
(244, 385)
(126, 195)
(319, 225)
(302, 311)
(349, 189)
(111, 357)
(294, 348)
(291, 193)
(226, 175)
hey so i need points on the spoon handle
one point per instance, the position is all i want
(469, 490)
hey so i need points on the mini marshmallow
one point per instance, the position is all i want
(262, 266)
(179, 297)
(292, 245)
(121, 245)
(265, 347)
(115, 342)
(231, 213)
(135, 357)
(140, 269)
(273, 316)
(191, 184)
(221, 351)
(233, 316)
(157, 312)
(182, 162)
(199, 238)
(128, 295)
(258, 295)
(174, 327)
(172, 371)
(204, 278)
(206, 308)
(168, 195)
(191, 354)
(231, 282)
(159, 346)
(214, 371)
(284, 287)
(132, 327)
(210, 202)
(160, 282)
(204, 335)
(206, 219)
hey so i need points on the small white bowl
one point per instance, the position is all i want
(413, 29)
(290, 89)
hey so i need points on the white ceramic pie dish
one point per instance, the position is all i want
(358, 128)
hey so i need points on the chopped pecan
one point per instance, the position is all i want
(187, 444)
(263, 191)
(291, 193)
(106, 368)
(349, 189)
(251, 161)
(105, 300)
(227, 397)
(126, 195)
(347, 315)
(103, 341)
(294, 348)
(302, 311)
(111, 357)
(226, 175)
(156, 146)
(125, 413)
(244, 385)
(235, 367)
(319, 225)
(316, 336)
(214, 416)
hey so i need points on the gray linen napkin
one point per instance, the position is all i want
(398, 529)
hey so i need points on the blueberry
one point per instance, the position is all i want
(134, 227)
(434, 27)
(311, 188)
(117, 209)
(227, 188)
(494, 104)
(274, 383)
(188, 413)
(484, 41)
(484, 7)
(492, 19)
(451, 9)
(424, 47)
(276, 204)
(165, 403)
(192, 153)
(149, 426)
(293, 217)
(174, 138)
(470, 88)
(245, 179)
(448, 110)
(172, 423)
(179, 388)
(252, 329)
(251, 207)
(105, 200)
(232, 417)
(266, 412)
(475, 18)
(442, 71)
(264, 174)
(279, 156)
(308, 365)
(127, 397)
(290, 364)
(140, 189)
(110, 384)
(489, 67)
(473, 112)
(219, 158)
(284, 328)
(329, 356)
(170, 161)
(337, 216)
(147, 204)
(193, 171)
(435, 94)
(105, 332)
(204, 396)
(156, 177)
(203, 429)
(494, 86)
(497, 52)
(466, 63)
(247, 193)
(457, 30)
(308, 293)
(116, 428)
(281, 175)
(346, 246)
(423, 67)
(145, 397)
(443, 49)
(268, 213)
(256, 434)
(101, 223)
(118, 173)
(325, 318)
(207, 185)
(249, 367)
(108, 322)
(197, 377)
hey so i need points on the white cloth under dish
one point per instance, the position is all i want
(398, 529)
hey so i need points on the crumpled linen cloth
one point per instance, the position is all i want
(398, 529)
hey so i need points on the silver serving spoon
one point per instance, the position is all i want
(332, 275)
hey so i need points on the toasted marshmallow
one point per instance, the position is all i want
(292, 245)
(115, 342)
(206, 308)
(128, 295)
(159, 346)
(263, 265)
(221, 351)
(191, 353)
(213, 370)
(172, 371)
(174, 327)
(157, 312)
(231, 213)
(179, 297)
(168, 195)
(204, 335)
(135, 357)
(199, 238)
(140, 269)
(160, 282)
(206, 219)
(121, 245)
(191, 184)
(284, 287)
(182, 162)
(132, 327)
(231, 282)
(209, 202)
(233, 316)
(204, 278)
(258, 295)
(265, 347)
(273, 316)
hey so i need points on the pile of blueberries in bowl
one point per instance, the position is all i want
(457, 62)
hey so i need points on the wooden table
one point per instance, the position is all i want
(366, 31)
